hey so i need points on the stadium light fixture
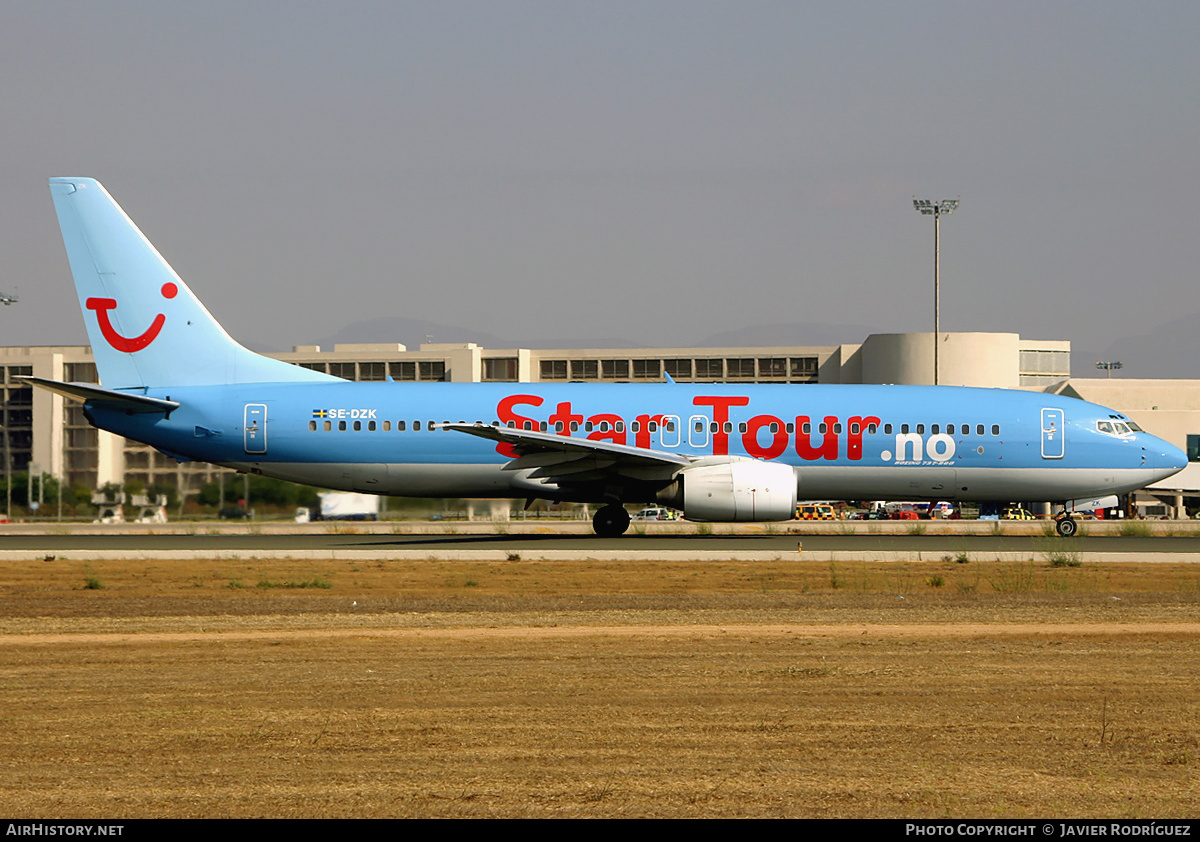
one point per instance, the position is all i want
(937, 210)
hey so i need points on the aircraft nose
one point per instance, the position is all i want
(1163, 457)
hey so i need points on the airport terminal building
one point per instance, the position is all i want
(46, 433)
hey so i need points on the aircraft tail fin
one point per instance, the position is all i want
(146, 327)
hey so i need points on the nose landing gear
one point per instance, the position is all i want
(1065, 525)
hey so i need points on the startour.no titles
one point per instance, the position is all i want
(720, 417)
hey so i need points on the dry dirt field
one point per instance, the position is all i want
(517, 689)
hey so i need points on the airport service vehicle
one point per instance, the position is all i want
(874, 514)
(815, 511)
(344, 505)
(924, 509)
(170, 376)
(655, 513)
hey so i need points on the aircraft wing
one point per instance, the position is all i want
(569, 460)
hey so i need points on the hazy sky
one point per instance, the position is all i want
(658, 171)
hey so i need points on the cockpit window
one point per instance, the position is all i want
(1117, 428)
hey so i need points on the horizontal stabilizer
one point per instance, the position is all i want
(107, 398)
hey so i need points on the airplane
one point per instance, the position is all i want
(171, 377)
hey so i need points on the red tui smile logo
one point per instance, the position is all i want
(125, 343)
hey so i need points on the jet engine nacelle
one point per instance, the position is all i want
(742, 490)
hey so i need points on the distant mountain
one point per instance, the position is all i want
(1171, 351)
(410, 332)
(799, 333)
(414, 332)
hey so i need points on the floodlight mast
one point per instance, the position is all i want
(936, 210)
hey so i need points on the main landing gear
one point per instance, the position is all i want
(611, 521)
(1065, 525)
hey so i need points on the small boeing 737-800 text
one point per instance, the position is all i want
(170, 376)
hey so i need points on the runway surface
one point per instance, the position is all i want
(501, 546)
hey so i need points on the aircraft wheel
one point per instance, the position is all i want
(611, 521)
(1066, 527)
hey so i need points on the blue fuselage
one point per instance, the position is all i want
(844, 442)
